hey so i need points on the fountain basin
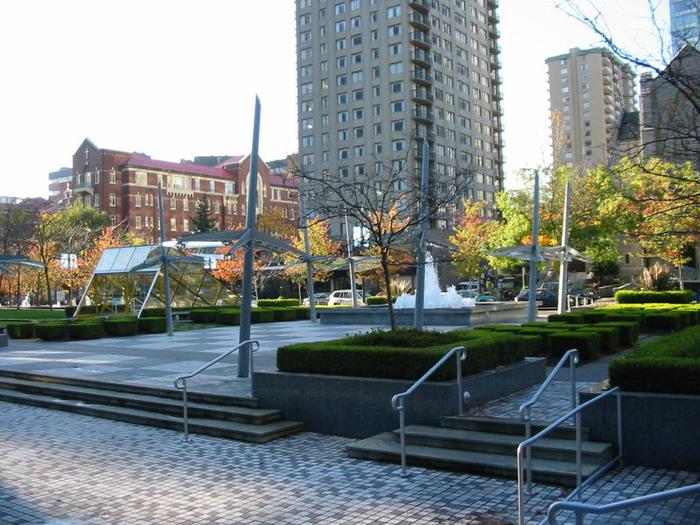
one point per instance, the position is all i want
(481, 313)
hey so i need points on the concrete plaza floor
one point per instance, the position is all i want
(66, 469)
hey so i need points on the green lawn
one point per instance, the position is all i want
(11, 314)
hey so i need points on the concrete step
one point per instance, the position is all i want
(505, 444)
(384, 447)
(151, 403)
(510, 426)
(254, 433)
(200, 397)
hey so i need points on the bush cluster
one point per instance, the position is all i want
(20, 330)
(670, 364)
(673, 297)
(121, 326)
(151, 325)
(85, 329)
(374, 301)
(279, 302)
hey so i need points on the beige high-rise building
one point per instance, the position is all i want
(589, 92)
(376, 76)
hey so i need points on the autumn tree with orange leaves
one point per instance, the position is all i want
(471, 238)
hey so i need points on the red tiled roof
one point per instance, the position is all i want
(276, 180)
(195, 169)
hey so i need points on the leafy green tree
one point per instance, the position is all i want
(471, 238)
(202, 221)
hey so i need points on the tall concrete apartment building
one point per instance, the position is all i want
(590, 91)
(685, 23)
(377, 76)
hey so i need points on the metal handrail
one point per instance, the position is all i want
(525, 410)
(581, 509)
(397, 401)
(180, 383)
(574, 412)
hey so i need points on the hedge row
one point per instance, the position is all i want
(673, 297)
(373, 356)
(89, 328)
(279, 302)
(670, 364)
(651, 317)
(374, 301)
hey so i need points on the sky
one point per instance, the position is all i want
(175, 78)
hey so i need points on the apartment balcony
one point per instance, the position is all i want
(421, 57)
(422, 95)
(421, 5)
(418, 153)
(421, 76)
(429, 135)
(420, 39)
(419, 20)
(424, 115)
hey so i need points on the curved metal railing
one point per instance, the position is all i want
(180, 383)
(397, 401)
(525, 410)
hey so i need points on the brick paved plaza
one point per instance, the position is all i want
(65, 469)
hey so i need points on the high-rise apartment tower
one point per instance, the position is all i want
(589, 92)
(375, 77)
(685, 23)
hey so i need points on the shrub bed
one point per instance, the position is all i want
(629, 331)
(20, 330)
(151, 325)
(85, 330)
(280, 301)
(121, 326)
(404, 354)
(258, 315)
(609, 337)
(303, 312)
(587, 343)
(673, 297)
(284, 314)
(51, 331)
(666, 321)
(229, 316)
(670, 364)
(375, 301)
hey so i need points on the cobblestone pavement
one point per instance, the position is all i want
(65, 469)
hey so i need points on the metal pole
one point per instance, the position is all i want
(247, 292)
(402, 427)
(460, 400)
(309, 263)
(573, 358)
(528, 450)
(420, 271)
(164, 262)
(185, 422)
(563, 302)
(619, 425)
(532, 295)
(351, 264)
(521, 488)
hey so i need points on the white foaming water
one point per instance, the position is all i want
(434, 297)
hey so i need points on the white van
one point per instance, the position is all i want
(344, 297)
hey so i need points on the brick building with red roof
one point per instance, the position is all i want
(125, 184)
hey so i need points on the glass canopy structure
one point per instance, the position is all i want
(129, 279)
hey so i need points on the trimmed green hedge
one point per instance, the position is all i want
(121, 326)
(230, 317)
(673, 297)
(629, 331)
(280, 301)
(666, 321)
(258, 315)
(284, 314)
(609, 337)
(303, 312)
(85, 330)
(671, 364)
(151, 325)
(203, 315)
(51, 331)
(374, 355)
(375, 301)
(587, 343)
(20, 330)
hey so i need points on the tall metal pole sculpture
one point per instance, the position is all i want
(309, 263)
(562, 304)
(420, 273)
(534, 252)
(165, 264)
(247, 292)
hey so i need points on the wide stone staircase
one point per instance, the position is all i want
(236, 418)
(487, 446)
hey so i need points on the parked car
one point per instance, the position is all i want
(542, 294)
(344, 297)
(471, 286)
(319, 299)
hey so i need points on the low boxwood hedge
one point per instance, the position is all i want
(629, 331)
(121, 326)
(587, 344)
(280, 301)
(303, 312)
(20, 330)
(229, 316)
(374, 355)
(51, 331)
(609, 337)
(151, 325)
(513, 329)
(85, 330)
(258, 315)
(203, 315)
(375, 301)
(673, 297)
(666, 321)
(670, 364)
(284, 314)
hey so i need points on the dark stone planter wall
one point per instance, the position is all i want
(360, 407)
(658, 430)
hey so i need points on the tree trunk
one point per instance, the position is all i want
(48, 286)
(19, 291)
(300, 299)
(389, 298)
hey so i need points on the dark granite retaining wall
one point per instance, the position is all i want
(360, 407)
(658, 430)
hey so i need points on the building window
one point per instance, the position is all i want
(97, 201)
(393, 11)
(112, 199)
(112, 177)
(186, 225)
(138, 222)
(173, 204)
(212, 186)
(137, 200)
(112, 220)
(185, 204)
(173, 224)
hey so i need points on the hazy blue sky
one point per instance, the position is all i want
(175, 78)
